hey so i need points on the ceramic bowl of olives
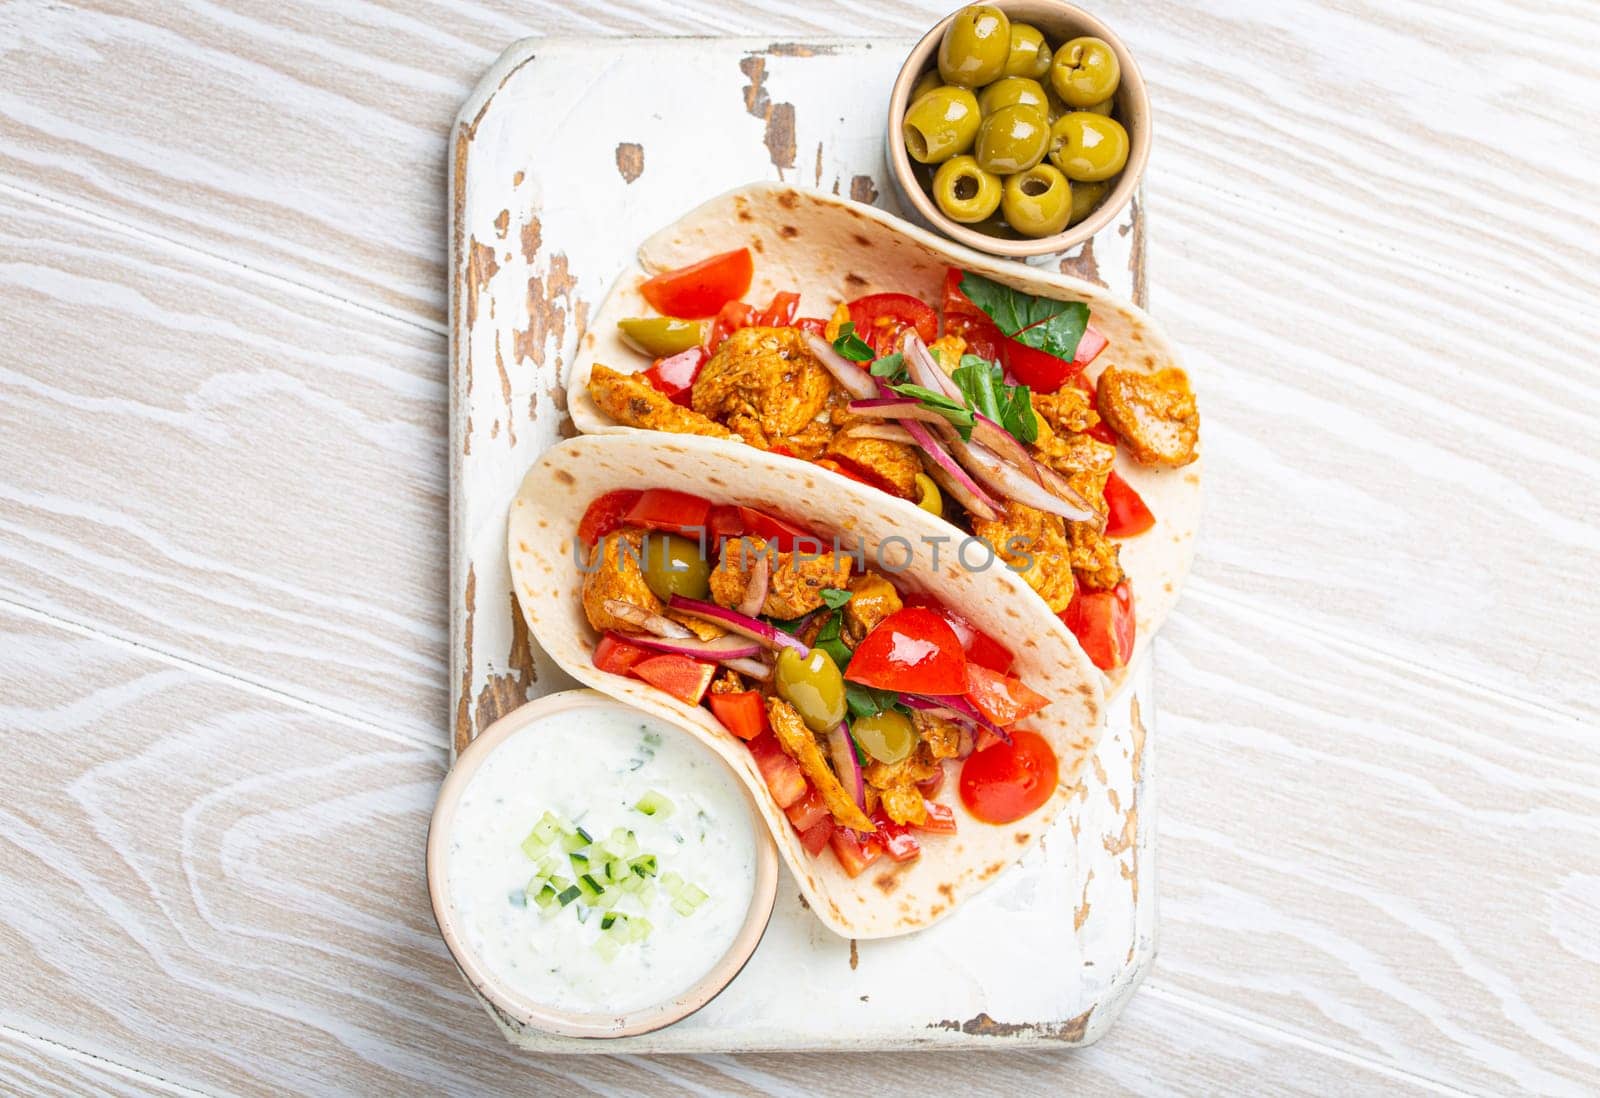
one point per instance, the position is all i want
(1018, 128)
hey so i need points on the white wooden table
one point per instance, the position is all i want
(222, 541)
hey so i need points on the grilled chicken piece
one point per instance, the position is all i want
(873, 598)
(1153, 414)
(765, 384)
(894, 465)
(1034, 545)
(797, 739)
(1096, 559)
(1067, 410)
(634, 402)
(617, 575)
(794, 580)
(896, 784)
(941, 735)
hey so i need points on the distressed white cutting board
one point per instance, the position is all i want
(565, 157)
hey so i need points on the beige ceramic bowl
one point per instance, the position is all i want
(1060, 23)
(517, 1012)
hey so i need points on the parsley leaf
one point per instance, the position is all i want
(835, 597)
(889, 366)
(829, 641)
(983, 384)
(1054, 327)
(959, 415)
(852, 346)
(867, 701)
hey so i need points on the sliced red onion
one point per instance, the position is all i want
(755, 592)
(925, 371)
(845, 765)
(883, 432)
(898, 407)
(958, 709)
(719, 648)
(951, 477)
(1012, 483)
(986, 432)
(644, 619)
(735, 622)
(750, 669)
(1058, 484)
(855, 380)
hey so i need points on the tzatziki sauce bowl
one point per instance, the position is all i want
(596, 871)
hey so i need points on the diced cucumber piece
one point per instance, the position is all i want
(546, 898)
(693, 895)
(534, 847)
(607, 947)
(611, 919)
(591, 887)
(671, 883)
(574, 842)
(622, 843)
(630, 883)
(608, 898)
(566, 895)
(548, 827)
(639, 928)
(682, 906)
(579, 860)
(646, 893)
(654, 803)
(644, 865)
(617, 871)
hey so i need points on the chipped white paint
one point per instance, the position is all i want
(1052, 952)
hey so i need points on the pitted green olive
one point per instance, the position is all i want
(813, 685)
(1030, 53)
(964, 191)
(1010, 91)
(1084, 72)
(659, 336)
(942, 124)
(674, 566)
(888, 736)
(1104, 107)
(1086, 198)
(925, 84)
(1012, 139)
(975, 46)
(1087, 147)
(1037, 202)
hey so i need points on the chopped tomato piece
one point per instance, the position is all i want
(812, 324)
(605, 514)
(941, 817)
(785, 534)
(853, 853)
(1003, 699)
(684, 677)
(979, 646)
(673, 511)
(1005, 782)
(880, 318)
(675, 374)
(1104, 623)
(898, 842)
(1126, 513)
(808, 811)
(911, 651)
(744, 713)
(815, 838)
(1101, 430)
(1039, 370)
(700, 289)
(784, 778)
(616, 655)
(781, 313)
(1089, 347)
(730, 318)
(723, 522)
(984, 337)
(955, 302)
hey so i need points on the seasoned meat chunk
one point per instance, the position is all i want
(941, 735)
(1033, 544)
(634, 402)
(764, 384)
(872, 598)
(797, 739)
(614, 573)
(1082, 459)
(1096, 559)
(1153, 414)
(896, 786)
(947, 351)
(794, 580)
(893, 465)
(1067, 410)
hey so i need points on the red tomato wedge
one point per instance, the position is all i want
(1038, 370)
(669, 510)
(730, 318)
(1005, 782)
(808, 811)
(781, 312)
(815, 325)
(941, 817)
(880, 318)
(815, 838)
(854, 854)
(785, 780)
(675, 374)
(723, 522)
(787, 535)
(897, 840)
(1103, 622)
(700, 289)
(955, 302)
(911, 651)
(616, 655)
(684, 678)
(605, 514)
(1003, 699)
(1126, 513)
(979, 646)
(744, 714)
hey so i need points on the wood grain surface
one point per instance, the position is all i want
(222, 612)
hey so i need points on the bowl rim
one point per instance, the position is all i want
(517, 1010)
(1127, 184)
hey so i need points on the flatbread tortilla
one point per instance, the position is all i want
(831, 250)
(887, 899)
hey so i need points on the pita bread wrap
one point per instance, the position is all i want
(832, 250)
(887, 899)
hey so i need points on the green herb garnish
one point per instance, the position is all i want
(835, 597)
(867, 701)
(852, 346)
(983, 384)
(959, 415)
(1054, 327)
(889, 366)
(830, 641)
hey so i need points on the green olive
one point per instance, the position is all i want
(925, 84)
(1104, 107)
(1011, 90)
(975, 46)
(658, 336)
(928, 495)
(674, 566)
(941, 124)
(1086, 198)
(1029, 54)
(1087, 147)
(964, 191)
(1012, 139)
(1084, 72)
(887, 737)
(1037, 202)
(813, 685)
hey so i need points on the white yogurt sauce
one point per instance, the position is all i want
(591, 766)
